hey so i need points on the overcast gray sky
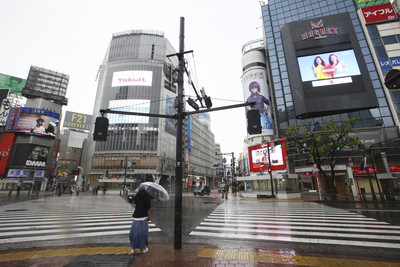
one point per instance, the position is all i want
(71, 37)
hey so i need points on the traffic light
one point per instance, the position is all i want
(208, 102)
(100, 129)
(253, 122)
(193, 104)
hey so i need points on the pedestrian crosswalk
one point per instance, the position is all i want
(65, 218)
(297, 222)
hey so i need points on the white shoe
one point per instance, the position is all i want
(145, 250)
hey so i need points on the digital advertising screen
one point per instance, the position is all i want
(129, 105)
(326, 67)
(39, 122)
(329, 68)
(258, 156)
(132, 78)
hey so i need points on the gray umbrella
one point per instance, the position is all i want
(154, 190)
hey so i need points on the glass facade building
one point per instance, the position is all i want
(137, 75)
(278, 13)
(296, 31)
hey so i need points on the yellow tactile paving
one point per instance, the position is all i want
(48, 253)
(248, 256)
(289, 259)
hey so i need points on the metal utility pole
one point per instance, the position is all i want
(179, 142)
(270, 170)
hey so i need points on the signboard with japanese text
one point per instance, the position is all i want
(21, 173)
(5, 107)
(378, 13)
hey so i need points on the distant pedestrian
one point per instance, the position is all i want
(78, 189)
(139, 233)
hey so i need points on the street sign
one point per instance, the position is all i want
(316, 174)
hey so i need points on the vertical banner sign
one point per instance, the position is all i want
(255, 90)
(5, 106)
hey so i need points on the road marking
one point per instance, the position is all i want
(298, 239)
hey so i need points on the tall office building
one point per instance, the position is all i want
(137, 75)
(302, 38)
(280, 18)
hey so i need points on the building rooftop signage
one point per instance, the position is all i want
(318, 31)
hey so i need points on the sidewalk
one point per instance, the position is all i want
(166, 255)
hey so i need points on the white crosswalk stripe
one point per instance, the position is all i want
(291, 222)
(66, 217)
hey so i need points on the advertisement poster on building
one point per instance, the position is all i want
(258, 157)
(170, 124)
(255, 90)
(33, 156)
(15, 84)
(40, 122)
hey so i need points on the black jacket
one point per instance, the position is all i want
(143, 204)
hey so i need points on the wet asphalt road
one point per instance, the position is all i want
(197, 209)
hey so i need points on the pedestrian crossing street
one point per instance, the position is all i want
(57, 218)
(297, 222)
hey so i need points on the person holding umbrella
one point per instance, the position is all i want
(139, 232)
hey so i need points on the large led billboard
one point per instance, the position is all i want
(132, 78)
(326, 67)
(39, 122)
(258, 156)
(129, 105)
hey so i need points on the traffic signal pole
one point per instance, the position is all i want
(179, 142)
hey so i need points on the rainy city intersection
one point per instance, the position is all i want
(330, 229)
